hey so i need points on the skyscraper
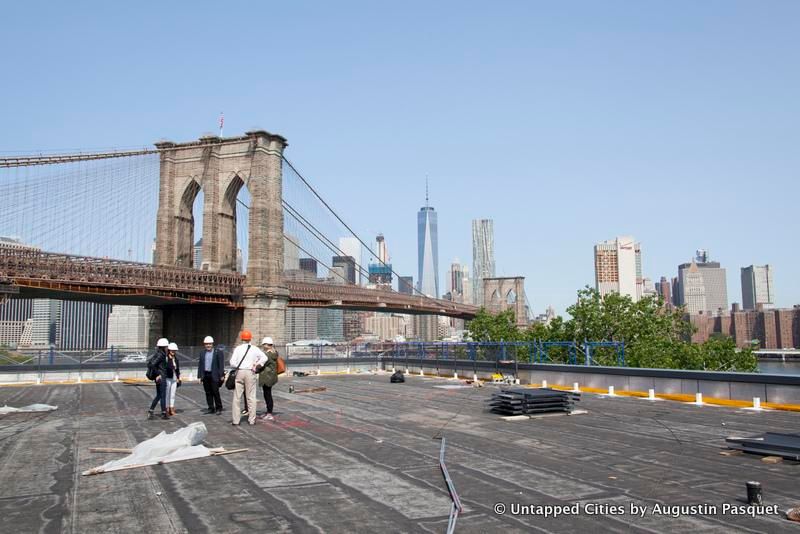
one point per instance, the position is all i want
(428, 250)
(351, 246)
(330, 323)
(348, 265)
(84, 325)
(405, 284)
(380, 271)
(618, 267)
(715, 286)
(291, 253)
(693, 289)
(15, 314)
(309, 265)
(128, 327)
(664, 288)
(381, 251)
(301, 323)
(757, 287)
(455, 278)
(197, 260)
(46, 322)
(482, 256)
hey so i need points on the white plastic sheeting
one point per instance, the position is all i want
(183, 444)
(28, 409)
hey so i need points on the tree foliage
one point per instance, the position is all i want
(654, 335)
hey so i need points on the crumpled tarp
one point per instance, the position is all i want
(183, 444)
(28, 409)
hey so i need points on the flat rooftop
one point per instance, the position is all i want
(361, 457)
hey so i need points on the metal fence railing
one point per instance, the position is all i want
(606, 353)
(610, 353)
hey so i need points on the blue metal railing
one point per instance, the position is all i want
(536, 351)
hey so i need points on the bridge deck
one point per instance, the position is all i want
(359, 457)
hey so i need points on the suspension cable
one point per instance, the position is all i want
(314, 191)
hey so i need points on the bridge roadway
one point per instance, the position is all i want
(37, 274)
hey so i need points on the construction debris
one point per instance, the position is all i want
(520, 401)
(183, 444)
(31, 408)
(769, 444)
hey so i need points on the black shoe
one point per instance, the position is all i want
(219, 411)
(208, 411)
(150, 414)
(235, 424)
(164, 415)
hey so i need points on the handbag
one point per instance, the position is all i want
(281, 365)
(230, 380)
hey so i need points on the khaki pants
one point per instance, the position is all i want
(245, 380)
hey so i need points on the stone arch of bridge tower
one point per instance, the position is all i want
(511, 297)
(184, 223)
(231, 186)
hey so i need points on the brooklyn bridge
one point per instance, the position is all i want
(83, 217)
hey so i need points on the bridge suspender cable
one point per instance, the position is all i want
(316, 233)
(314, 191)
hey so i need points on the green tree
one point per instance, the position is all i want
(488, 327)
(654, 335)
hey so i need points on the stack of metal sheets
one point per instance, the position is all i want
(769, 443)
(523, 401)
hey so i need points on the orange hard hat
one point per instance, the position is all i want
(246, 335)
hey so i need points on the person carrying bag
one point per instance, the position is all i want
(230, 378)
(244, 378)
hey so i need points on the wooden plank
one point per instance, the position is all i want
(223, 452)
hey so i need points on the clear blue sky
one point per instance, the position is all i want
(566, 122)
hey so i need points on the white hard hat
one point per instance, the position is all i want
(208, 339)
(163, 342)
(266, 341)
(173, 346)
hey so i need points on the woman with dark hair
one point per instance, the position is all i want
(173, 376)
(156, 371)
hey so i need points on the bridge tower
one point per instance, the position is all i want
(220, 167)
(504, 293)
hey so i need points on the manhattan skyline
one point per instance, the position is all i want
(590, 121)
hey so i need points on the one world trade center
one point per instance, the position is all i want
(428, 250)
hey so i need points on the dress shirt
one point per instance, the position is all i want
(254, 357)
(209, 359)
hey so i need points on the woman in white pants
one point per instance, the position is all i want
(173, 376)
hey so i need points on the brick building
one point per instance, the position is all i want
(773, 328)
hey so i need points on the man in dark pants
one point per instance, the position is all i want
(210, 368)
(159, 363)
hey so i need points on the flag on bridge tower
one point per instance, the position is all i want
(221, 122)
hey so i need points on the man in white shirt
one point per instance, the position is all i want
(246, 358)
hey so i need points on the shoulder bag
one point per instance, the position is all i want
(230, 380)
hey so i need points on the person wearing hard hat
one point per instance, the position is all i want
(157, 368)
(268, 377)
(245, 360)
(172, 376)
(210, 368)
